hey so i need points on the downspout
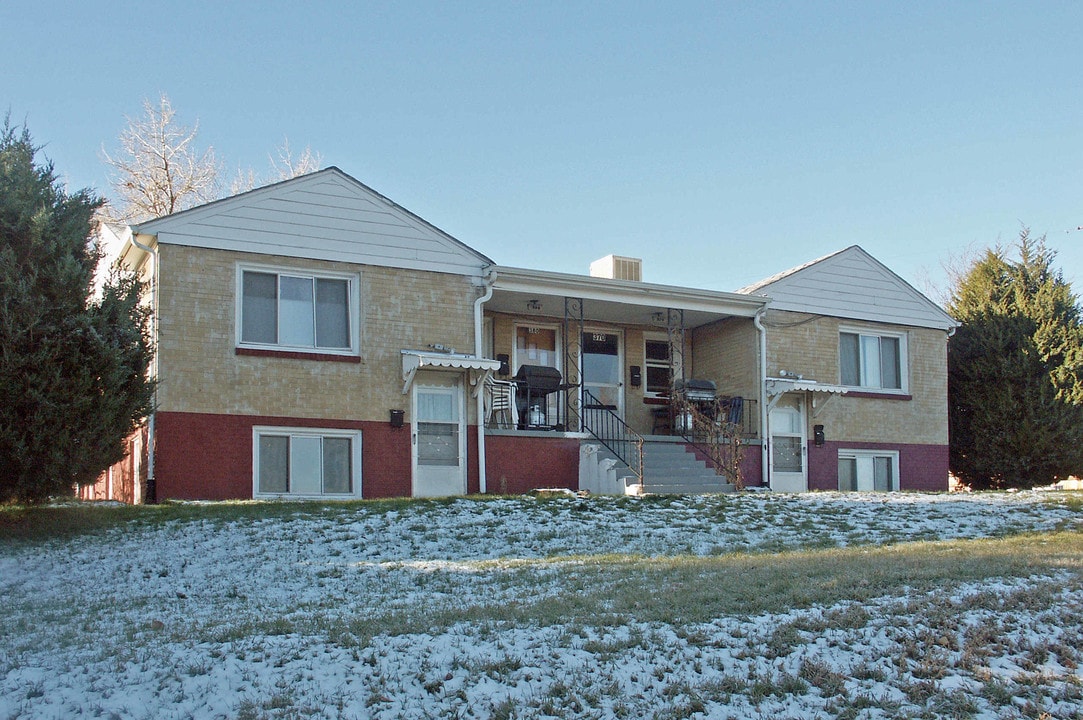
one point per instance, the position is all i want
(152, 489)
(489, 280)
(757, 320)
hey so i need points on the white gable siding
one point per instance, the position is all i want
(324, 216)
(851, 284)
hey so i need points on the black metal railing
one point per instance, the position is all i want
(603, 423)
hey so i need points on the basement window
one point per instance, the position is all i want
(305, 462)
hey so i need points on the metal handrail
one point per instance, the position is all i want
(723, 438)
(611, 431)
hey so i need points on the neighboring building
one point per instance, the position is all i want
(314, 339)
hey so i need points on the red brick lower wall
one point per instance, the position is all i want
(121, 481)
(921, 467)
(201, 456)
(750, 463)
(518, 464)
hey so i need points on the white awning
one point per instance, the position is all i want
(415, 360)
(777, 386)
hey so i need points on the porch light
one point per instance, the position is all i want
(533, 305)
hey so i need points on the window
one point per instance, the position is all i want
(535, 346)
(304, 462)
(868, 470)
(872, 361)
(297, 311)
(657, 365)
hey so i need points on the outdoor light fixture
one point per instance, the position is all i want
(533, 305)
(818, 435)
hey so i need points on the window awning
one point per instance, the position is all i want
(415, 360)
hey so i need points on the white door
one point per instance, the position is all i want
(439, 439)
(602, 370)
(788, 452)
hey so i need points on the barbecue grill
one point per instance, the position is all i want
(536, 383)
(701, 394)
(695, 391)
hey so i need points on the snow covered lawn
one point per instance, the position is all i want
(745, 606)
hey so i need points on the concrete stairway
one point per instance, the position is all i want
(670, 468)
(673, 469)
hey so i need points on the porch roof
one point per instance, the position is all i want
(538, 293)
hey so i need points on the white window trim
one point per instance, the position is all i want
(904, 365)
(848, 454)
(558, 352)
(353, 287)
(355, 461)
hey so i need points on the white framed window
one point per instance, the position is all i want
(305, 462)
(297, 310)
(657, 364)
(868, 470)
(536, 344)
(876, 361)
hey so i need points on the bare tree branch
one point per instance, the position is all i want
(157, 170)
(287, 166)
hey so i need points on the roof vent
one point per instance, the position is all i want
(616, 267)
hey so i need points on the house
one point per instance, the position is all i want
(856, 382)
(315, 339)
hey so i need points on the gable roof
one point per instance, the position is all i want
(851, 284)
(325, 215)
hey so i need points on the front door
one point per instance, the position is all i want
(788, 455)
(439, 440)
(602, 374)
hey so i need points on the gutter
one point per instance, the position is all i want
(757, 320)
(152, 488)
(489, 280)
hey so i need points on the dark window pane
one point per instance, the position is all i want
(336, 465)
(847, 474)
(849, 364)
(658, 379)
(658, 350)
(332, 314)
(890, 375)
(274, 463)
(259, 308)
(882, 480)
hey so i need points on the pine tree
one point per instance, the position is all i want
(1015, 372)
(73, 367)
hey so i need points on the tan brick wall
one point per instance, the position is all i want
(808, 345)
(200, 372)
(727, 352)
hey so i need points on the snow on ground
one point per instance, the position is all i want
(388, 611)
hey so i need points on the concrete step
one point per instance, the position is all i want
(676, 486)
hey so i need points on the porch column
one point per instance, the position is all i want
(572, 338)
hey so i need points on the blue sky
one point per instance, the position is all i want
(721, 142)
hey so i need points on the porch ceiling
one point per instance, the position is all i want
(529, 293)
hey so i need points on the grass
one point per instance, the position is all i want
(692, 614)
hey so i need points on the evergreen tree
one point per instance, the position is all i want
(1015, 372)
(73, 364)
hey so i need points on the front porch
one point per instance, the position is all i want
(611, 363)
